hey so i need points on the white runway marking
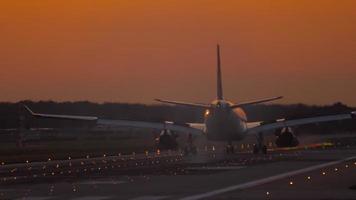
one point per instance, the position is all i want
(93, 198)
(150, 198)
(264, 180)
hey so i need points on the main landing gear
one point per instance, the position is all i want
(260, 146)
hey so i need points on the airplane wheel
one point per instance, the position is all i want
(264, 149)
(255, 149)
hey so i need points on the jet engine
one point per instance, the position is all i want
(167, 140)
(285, 137)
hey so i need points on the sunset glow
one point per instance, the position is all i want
(135, 51)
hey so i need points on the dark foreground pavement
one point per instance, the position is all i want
(275, 176)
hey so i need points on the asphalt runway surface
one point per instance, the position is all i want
(318, 173)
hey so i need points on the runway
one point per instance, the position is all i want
(297, 174)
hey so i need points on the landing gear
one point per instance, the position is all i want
(229, 148)
(260, 147)
(166, 141)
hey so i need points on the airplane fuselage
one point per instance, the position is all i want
(224, 123)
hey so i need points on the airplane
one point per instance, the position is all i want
(224, 120)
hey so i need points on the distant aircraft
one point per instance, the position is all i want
(224, 120)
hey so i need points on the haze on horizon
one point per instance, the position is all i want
(135, 51)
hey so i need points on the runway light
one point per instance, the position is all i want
(267, 193)
(270, 144)
(323, 173)
(309, 178)
(335, 169)
(27, 161)
(87, 157)
(49, 159)
(346, 166)
(291, 183)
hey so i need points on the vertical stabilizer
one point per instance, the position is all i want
(219, 80)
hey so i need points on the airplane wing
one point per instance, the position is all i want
(66, 117)
(153, 125)
(181, 103)
(187, 128)
(256, 127)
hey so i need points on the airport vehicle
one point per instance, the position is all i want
(224, 120)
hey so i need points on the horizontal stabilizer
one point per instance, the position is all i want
(256, 102)
(180, 103)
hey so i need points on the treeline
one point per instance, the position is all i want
(10, 113)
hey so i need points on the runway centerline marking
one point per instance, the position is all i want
(265, 180)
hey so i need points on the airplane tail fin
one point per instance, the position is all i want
(219, 79)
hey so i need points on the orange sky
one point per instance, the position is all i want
(137, 50)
